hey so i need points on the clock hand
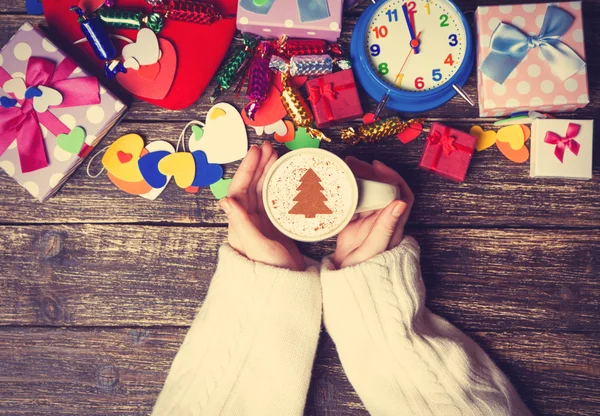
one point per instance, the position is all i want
(386, 96)
(414, 40)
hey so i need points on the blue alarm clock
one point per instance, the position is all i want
(415, 54)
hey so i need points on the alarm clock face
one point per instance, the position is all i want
(442, 43)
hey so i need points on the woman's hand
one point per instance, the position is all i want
(371, 233)
(250, 230)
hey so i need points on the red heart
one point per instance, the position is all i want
(124, 157)
(140, 82)
(191, 41)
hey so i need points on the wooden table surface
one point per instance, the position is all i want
(98, 288)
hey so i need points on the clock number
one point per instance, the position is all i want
(419, 84)
(444, 20)
(399, 79)
(453, 40)
(383, 68)
(381, 31)
(436, 74)
(375, 50)
(449, 60)
(427, 8)
(393, 13)
(411, 6)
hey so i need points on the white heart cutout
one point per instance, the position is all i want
(131, 63)
(15, 86)
(278, 127)
(48, 98)
(145, 49)
(225, 139)
(157, 146)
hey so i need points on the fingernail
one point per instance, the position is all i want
(378, 162)
(225, 205)
(398, 209)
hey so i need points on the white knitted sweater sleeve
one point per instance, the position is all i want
(251, 348)
(400, 357)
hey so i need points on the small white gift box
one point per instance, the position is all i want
(561, 148)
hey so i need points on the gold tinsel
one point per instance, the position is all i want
(299, 111)
(373, 132)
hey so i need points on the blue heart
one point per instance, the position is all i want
(7, 102)
(148, 165)
(206, 173)
(34, 6)
(33, 92)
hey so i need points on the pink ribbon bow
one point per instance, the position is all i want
(564, 142)
(24, 123)
(327, 90)
(445, 140)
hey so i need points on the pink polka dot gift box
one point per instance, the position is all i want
(52, 112)
(531, 57)
(309, 19)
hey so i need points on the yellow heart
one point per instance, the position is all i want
(121, 158)
(181, 166)
(513, 135)
(485, 139)
(216, 113)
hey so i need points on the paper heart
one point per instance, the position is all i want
(302, 140)
(15, 86)
(206, 173)
(49, 97)
(124, 157)
(165, 149)
(131, 63)
(7, 102)
(33, 92)
(279, 128)
(485, 139)
(192, 77)
(159, 86)
(149, 72)
(145, 50)
(34, 6)
(413, 131)
(225, 139)
(73, 141)
(513, 135)
(148, 165)
(518, 156)
(369, 118)
(128, 171)
(288, 136)
(197, 133)
(181, 166)
(219, 189)
(134, 188)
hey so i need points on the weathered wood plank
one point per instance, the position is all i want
(456, 108)
(62, 372)
(124, 275)
(497, 192)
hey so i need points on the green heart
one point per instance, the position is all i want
(302, 140)
(73, 141)
(219, 188)
(198, 132)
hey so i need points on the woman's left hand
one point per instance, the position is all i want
(251, 232)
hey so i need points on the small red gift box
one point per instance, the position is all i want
(334, 98)
(448, 152)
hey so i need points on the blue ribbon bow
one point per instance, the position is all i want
(310, 10)
(510, 46)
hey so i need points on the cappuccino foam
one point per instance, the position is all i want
(337, 189)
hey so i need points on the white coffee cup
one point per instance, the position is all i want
(342, 194)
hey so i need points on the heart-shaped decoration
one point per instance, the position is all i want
(181, 166)
(73, 141)
(134, 188)
(485, 139)
(518, 156)
(224, 139)
(49, 97)
(129, 149)
(192, 77)
(34, 6)
(7, 102)
(33, 92)
(153, 81)
(206, 173)
(149, 168)
(219, 188)
(302, 140)
(15, 86)
(513, 135)
(197, 132)
(288, 136)
(144, 51)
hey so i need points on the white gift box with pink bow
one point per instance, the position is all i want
(561, 148)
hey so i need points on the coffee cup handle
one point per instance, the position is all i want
(375, 195)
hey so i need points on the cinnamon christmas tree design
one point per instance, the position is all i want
(310, 200)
